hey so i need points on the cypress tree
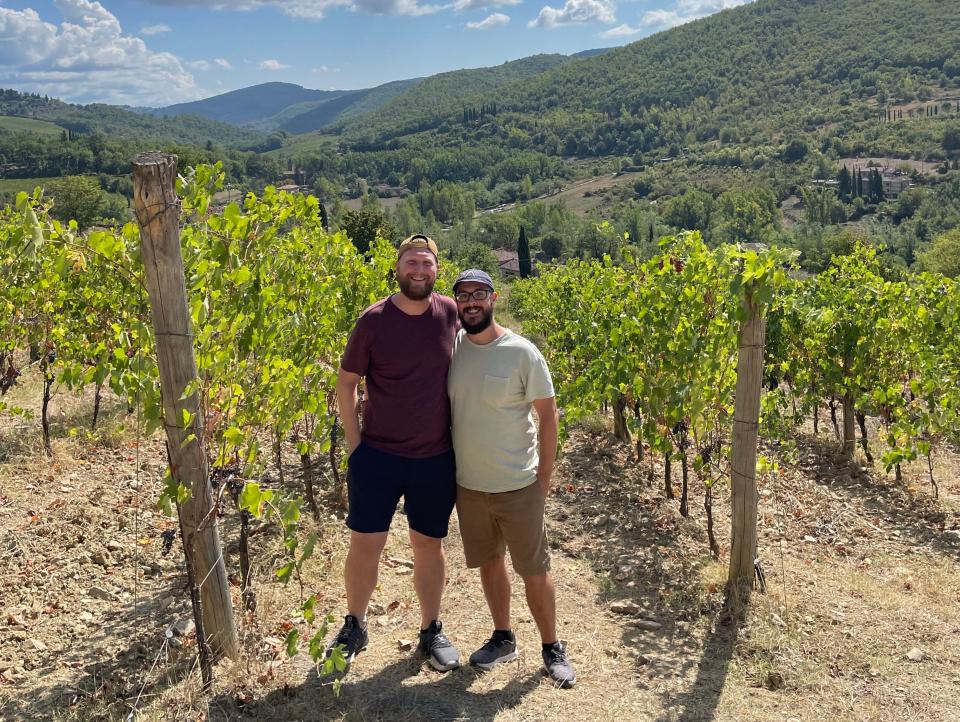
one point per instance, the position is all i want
(843, 184)
(523, 252)
(324, 218)
(876, 187)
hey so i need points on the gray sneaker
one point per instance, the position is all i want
(501, 647)
(440, 650)
(558, 667)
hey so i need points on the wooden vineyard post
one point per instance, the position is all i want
(746, 420)
(157, 210)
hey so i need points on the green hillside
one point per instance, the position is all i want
(751, 77)
(306, 144)
(11, 186)
(287, 107)
(12, 124)
(423, 105)
(249, 106)
(120, 122)
(297, 119)
(736, 125)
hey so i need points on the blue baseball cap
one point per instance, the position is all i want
(475, 275)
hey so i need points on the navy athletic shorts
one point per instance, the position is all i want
(376, 480)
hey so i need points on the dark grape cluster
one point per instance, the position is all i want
(8, 378)
(167, 536)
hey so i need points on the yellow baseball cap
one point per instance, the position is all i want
(418, 240)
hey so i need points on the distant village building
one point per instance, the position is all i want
(296, 177)
(509, 263)
(895, 181)
(895, 184)
(385, 190)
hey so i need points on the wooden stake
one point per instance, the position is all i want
(746, 420)
(157, 210)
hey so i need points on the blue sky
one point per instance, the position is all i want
(158, 52)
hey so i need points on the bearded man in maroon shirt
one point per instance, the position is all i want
(401, 346)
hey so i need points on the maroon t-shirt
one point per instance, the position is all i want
(405, 360)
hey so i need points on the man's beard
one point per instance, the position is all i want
(481, 325)
(415, 294)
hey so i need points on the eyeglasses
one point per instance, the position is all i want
(481, 294)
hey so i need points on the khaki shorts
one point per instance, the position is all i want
(492, 523)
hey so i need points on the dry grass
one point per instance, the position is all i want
(858, 568)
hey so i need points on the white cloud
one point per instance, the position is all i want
(87, 57)
(495, 20)
(210, 64)
(317, 9)
(324, 69)
(621, 31)
(155, 29)
(24, 37)
(461, 5)
(684, 11)
(272, 65)
(575, 12)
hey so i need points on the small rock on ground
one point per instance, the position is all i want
(625, 607)
(915, 655)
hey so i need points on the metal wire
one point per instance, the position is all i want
(139, 489)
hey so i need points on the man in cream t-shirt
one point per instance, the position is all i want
(504, 464)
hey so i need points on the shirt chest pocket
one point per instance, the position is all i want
(496, 389)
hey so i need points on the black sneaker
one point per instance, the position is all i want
(501, 647)
(435, 645)
(558, 666)
(352, 639)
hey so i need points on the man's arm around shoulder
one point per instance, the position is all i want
(547, 436)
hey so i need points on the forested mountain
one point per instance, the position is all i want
(752, 76)
(295, 109)
(248, 106)
(737, 125)
(438, 96)
(286, 106)
(592, 52)
(120, 122)
(300, 119)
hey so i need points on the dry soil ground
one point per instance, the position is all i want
(860, 619)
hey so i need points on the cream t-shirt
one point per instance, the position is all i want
(492, 389)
